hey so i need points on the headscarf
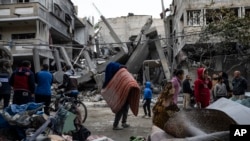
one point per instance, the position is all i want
(110, 71)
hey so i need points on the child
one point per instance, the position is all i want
(147, 98)
(220, 89)
(165, 106)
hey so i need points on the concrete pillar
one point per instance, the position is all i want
(65, 56)
(37, 29)
(57, 60)
(36, 60)
(185, 18)
(89, 62)
(69, 52)
(97, 48)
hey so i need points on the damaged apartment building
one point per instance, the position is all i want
(134, 31)
(185, 21)
(36, 29)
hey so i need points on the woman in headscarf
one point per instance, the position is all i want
(165, 107)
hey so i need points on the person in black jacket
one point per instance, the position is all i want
(224, 76)
(239, 84)
(5, 88)
(187, 92)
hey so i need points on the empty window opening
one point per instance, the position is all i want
(23, 1)
(57, 10)
(23, 36)
(193, 17)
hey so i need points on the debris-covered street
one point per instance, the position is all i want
(100, 122)
(183, 75)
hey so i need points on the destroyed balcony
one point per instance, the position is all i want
(23, 11)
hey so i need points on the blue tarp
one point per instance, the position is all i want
(14, 108)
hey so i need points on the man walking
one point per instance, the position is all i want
(44, 80)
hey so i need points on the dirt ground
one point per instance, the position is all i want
(100, 121)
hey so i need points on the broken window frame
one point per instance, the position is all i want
(57, 10)
(23, 36)
(194, 17)
(247, 12)
(171, 27)
(68, 19)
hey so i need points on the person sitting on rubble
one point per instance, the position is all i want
(70, 83)
(165, 107)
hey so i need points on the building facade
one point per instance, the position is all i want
(185, 22)
(188, 17)
(29, 24)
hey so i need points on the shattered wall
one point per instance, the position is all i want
(127, 26)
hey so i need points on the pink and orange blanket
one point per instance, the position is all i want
(120, 88)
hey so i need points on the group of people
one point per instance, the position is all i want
(32, 87)
(166, 104)
(206, 89)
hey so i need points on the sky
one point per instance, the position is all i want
(118, 8)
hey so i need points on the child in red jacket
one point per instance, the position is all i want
(202, 86)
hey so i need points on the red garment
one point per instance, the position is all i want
(202, 88)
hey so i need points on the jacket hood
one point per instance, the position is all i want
(148, 84)
(200, 72)
(110, 71)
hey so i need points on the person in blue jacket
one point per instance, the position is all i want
(44, 80)
(147, 98)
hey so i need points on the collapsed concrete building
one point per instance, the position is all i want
(143, 38)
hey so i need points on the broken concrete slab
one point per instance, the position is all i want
(239, 113)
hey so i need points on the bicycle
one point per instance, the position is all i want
(70, 103)
(54, 126)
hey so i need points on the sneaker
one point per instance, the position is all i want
(125, 125)
(117, 128)
(144, 116)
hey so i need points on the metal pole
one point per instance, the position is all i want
(112, 32)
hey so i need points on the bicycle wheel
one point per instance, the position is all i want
(82, 110)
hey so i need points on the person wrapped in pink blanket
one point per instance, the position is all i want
(120, 91)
